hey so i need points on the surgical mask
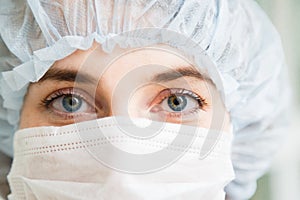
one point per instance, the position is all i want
(121, 158)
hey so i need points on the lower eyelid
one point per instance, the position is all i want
(58, 116)
(180, 117)
(62, 119)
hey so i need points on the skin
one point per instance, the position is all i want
(134, 83)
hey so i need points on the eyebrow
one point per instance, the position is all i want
(73, 75)
(68, 75)
(179, 72)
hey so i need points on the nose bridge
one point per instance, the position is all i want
(103, 68)
(119, 77)
(113, 93)
(114, 90)
(103, 97)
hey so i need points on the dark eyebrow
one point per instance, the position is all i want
(72, 75)
(179, 72)
(67, 75)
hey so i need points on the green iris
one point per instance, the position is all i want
(177, 102)
(71, 103)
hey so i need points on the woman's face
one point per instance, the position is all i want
(148, 83)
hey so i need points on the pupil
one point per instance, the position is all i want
(177, 103)
(72, 103)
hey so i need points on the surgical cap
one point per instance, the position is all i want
(236, 36)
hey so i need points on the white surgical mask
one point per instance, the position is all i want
(114, 158)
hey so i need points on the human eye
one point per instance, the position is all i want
(177, 103)
(69, 103)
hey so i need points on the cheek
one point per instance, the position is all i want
(31, 114)
(220, 119)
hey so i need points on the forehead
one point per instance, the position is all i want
(157, 58)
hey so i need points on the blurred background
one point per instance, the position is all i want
(283, 180)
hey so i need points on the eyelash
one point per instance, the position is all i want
(180, 91)
(166, 93)
(63, 92)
